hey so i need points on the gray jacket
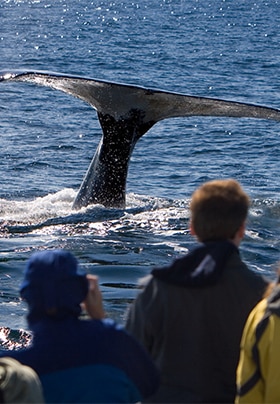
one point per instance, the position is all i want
(193, 333)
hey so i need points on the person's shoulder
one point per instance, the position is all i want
(151, 287)
(107, 324)
(146, 284)
(258, 311)
(120, 337)
(19, 383)
(145, 281)
(113, 328)
(109, 332)
(241, 268)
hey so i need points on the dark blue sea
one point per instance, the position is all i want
(221, 49)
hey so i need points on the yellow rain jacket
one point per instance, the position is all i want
(258, 373)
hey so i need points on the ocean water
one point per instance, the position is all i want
(221, 49)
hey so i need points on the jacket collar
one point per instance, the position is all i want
(201, 267)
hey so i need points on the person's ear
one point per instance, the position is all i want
(239, 234)
(241, 230)
(192, 229)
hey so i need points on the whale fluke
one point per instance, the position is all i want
(126, 113)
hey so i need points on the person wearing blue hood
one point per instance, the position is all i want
(79, 360)
(190, 316)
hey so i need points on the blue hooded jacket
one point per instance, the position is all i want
(78, 360)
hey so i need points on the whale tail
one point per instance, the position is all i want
(126, 113)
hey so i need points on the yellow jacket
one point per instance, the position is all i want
(258, 372)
